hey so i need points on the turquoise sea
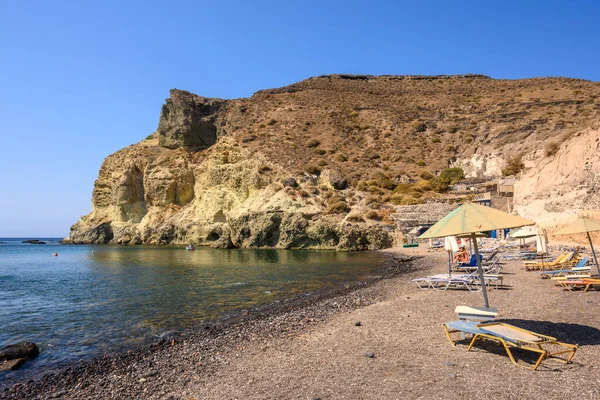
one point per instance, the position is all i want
(91, 300)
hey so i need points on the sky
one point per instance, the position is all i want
(80, 80)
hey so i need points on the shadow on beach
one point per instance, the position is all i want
(565, 332)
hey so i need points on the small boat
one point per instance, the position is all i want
(189, 247)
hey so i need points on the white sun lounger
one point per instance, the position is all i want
(444, 283)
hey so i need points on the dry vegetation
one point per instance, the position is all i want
(392, 136)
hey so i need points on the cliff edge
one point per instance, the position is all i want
(325, 162)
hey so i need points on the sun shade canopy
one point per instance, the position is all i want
(473, 218)
(523, 233)
(581, 225)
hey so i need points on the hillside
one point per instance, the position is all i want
(323, 163)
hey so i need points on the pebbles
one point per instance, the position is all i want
(150, 373)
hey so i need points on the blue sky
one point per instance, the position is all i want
(82, 79)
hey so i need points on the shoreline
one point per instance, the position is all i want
(276, 320)
(317, 349)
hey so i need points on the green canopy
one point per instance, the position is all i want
(583, 225)
(472, 218)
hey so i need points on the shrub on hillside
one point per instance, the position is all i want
(313, 143)
(312, 169)
(371, 200)
(373, 215)
(338, 208)
(452, 175)
(419, 127)
(513, 166)
(340, 157)
(426, 175)
(422, 186)
(355, 217)
(374, 190)
(403, 188)
(438, 185)
(386, 183)
(396, 199)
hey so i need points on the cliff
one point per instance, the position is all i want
(326, 162)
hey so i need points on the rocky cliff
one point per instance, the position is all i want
(559, 187)
(325, 162)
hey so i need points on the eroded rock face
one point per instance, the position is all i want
(241, 173)
(188, 121)
(563, 185)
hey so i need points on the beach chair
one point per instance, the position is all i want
(488, 267)
(561, 261)
(443, 283)
(510, 337)
(497, 280)
(580, 267)
(583, 283)
(573, 277)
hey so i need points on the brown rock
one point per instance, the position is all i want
(11, 364)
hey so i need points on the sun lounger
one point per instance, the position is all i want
(488, 268)
(579, 268)
(572, 277)
(443, 283)
(585, 283)
(439, 281)
(510, 336)
(562, 261)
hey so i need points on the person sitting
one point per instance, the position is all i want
(462, 256)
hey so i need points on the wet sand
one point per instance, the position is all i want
(314, 349)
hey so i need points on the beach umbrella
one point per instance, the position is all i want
(470, 237)
(471, 218)
(582, 225)
(451, 246)
(522, 234)
(541, 241)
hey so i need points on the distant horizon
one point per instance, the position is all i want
(32, 237)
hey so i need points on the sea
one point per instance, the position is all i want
(91, 300)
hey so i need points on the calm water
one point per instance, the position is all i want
(80, 303)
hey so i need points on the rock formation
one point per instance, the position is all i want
(325, 163)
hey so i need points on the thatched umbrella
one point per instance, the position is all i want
(471, 218)
(583, 225)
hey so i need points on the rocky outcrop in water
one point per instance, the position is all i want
(13, 356)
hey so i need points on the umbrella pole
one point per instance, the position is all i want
(480, 270)
(449, 262)
(593, 252)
